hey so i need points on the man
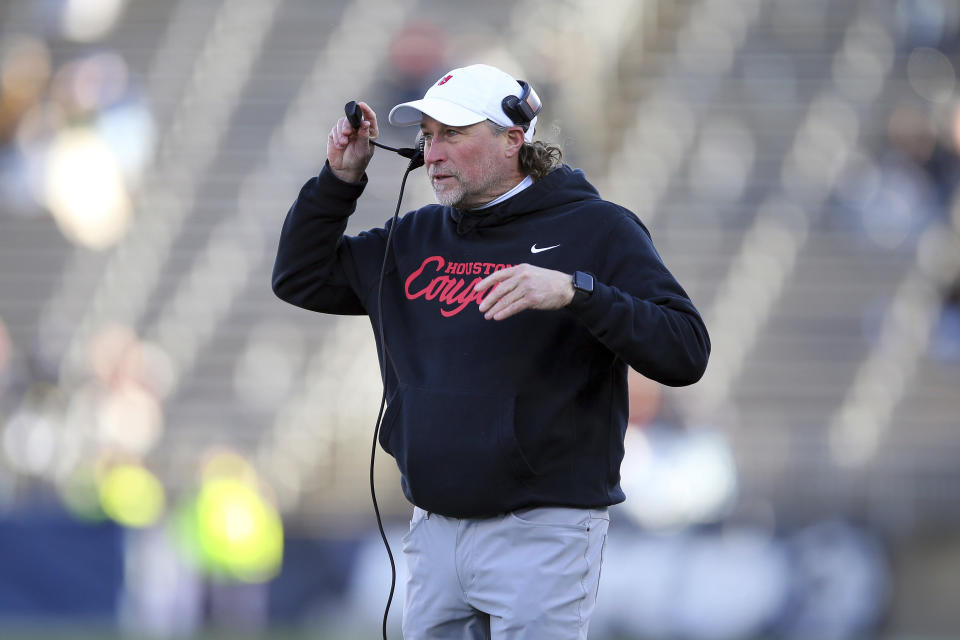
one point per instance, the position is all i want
(510, 312)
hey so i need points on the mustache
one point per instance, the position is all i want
(435, 171)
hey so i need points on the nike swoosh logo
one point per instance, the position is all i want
(534, 248)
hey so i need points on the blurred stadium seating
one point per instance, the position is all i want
(796, 162)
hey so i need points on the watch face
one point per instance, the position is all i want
(583, 282)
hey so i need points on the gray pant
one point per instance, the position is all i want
(527, 575)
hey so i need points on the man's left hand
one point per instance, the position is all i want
(524, 286)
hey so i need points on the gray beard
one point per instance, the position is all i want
(449, 197)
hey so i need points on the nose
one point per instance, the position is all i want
(433, 152)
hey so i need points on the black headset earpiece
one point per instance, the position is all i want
(523, 109)
(417, 159)
(354, 114)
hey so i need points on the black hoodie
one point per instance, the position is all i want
(486, 416)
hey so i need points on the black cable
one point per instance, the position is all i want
(383, 398)
(406, 152)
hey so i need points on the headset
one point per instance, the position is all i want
(355, 117)
(521, 111)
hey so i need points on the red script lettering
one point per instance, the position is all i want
(434, 283)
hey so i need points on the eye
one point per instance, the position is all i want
(451, 132)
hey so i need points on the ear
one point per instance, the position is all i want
(514, 137)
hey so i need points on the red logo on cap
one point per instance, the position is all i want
(444, 80)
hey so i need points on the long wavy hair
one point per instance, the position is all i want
(537, 158)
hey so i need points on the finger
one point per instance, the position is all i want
(370, 116)
(511, 298)
(353, 134)
(511, 309)
(341, 133)
(496, 276)
(494, 295)
(335, 139)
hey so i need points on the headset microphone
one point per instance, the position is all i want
(355, 117)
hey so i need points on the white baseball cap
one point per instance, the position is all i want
(465, 96)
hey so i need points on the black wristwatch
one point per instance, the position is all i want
(582, 286)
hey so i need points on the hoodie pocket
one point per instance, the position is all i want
(457, 451)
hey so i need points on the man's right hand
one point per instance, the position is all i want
(349, 150)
